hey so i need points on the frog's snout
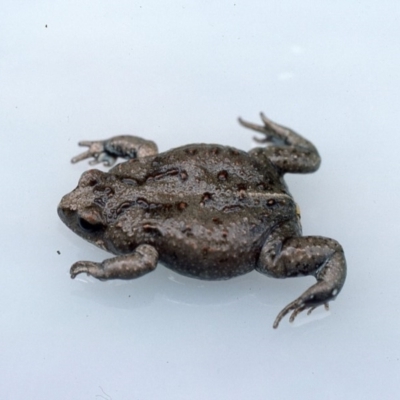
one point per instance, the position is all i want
(63, 212)
(85, 220)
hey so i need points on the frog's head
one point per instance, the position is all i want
(82, 209)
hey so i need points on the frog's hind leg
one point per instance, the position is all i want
(130, 266)
(107, 151)
(284, 256)
(287, 150)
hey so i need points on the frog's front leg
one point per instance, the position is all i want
(107, 151)
(130, 266)
(283, 257)
(287, 150)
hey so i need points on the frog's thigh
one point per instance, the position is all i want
(130, 266)
(294, 256)
(313, 255)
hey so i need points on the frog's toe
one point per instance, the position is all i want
(311, 299)
(298, 310)
(96, 149)
(82, 156)
(296, 306)
(84, 266)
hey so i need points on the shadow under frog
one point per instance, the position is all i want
(206, 211)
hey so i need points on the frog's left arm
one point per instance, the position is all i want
(143, 260)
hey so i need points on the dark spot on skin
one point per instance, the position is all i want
(91, 182)
(223, 175)
(187, 230)
(142, 203)
(152, 230)
(162, 175)
(181, 206)
(109, 191)
(111, 214)
(242, 186)
(271, 202)
(100, 201)
(206, 197)
(167, 207)
(103, 193)
(233, 208)
(217, 221)
(123, 207)
(191, 151)
(106, 191)
(157, 175)
(234, 152)
(129, 182)
(215, 151)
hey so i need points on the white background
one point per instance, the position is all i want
(180, 72)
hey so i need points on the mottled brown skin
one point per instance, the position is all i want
(204, 210)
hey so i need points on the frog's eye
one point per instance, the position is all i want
(89, 226)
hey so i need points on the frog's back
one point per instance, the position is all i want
(224, 166)
(200, 166)
(210, 207)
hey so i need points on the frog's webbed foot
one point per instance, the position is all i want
(288, 150)
(143, 260)
(108, 151)
(322, 258)
(317, 256)
(273, 133)
(283, 256)
(97, 151)
(310, 299)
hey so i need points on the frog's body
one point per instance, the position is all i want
(205, 211)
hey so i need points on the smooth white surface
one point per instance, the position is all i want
(180, 72)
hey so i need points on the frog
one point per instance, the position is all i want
(206, 211)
